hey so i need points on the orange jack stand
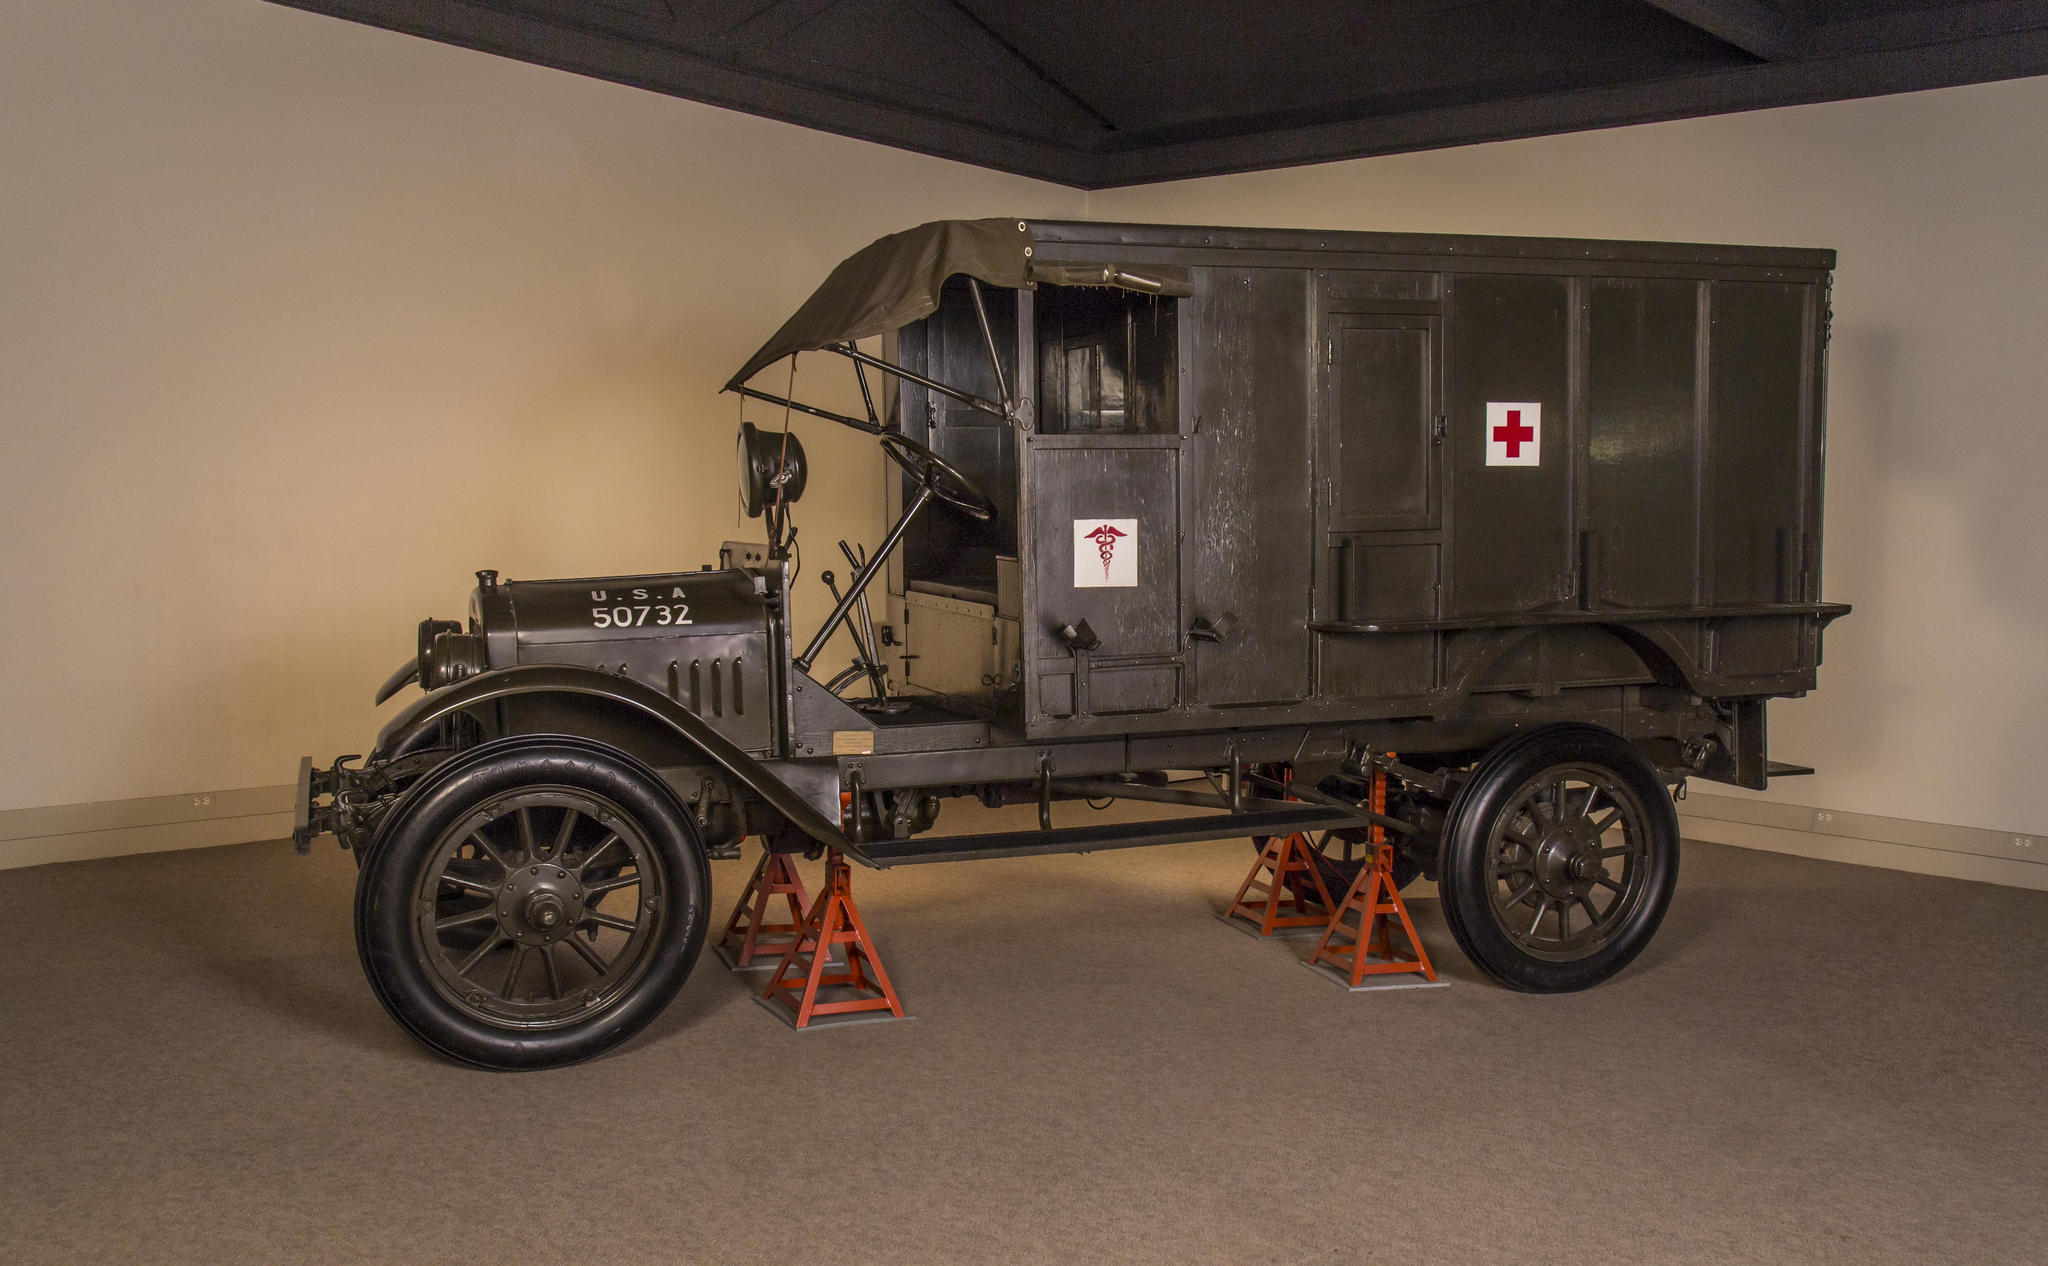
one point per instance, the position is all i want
(1294, 881)
(750, 941)
(795, 991)
(1349, 958)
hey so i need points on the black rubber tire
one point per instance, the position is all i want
(1465, 885)
(408, 838)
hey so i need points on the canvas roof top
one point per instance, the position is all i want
(896, 280)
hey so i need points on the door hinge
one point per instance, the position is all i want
(1329, 351)
(1436, 429)
(1567, 585)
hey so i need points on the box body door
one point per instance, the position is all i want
(1247, 495)
(1379, 478)
(1761, 407)
(1641, 526)
(1512, 545)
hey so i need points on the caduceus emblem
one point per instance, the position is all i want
(1105, 538)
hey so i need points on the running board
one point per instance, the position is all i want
(883, 854)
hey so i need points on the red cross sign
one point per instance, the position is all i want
(1514, 433)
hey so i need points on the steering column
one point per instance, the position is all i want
(935, 478)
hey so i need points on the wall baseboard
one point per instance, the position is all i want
(152, 824)
(1866, 839)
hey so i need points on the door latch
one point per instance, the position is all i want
(1078, 636)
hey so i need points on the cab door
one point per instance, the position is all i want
(1105, 532)
(1102, 510)
(1169, 503)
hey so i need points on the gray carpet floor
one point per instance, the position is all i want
(1812, 1063)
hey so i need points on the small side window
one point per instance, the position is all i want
(1109, 361)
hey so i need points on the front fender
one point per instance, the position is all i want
(484, 688)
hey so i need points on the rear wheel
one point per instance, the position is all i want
(532, 903)
(1560, 856)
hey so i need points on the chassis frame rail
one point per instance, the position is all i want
(883, 854)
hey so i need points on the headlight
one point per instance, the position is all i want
(447, 654)
(771, 464)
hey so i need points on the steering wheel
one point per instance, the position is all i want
(931, 471)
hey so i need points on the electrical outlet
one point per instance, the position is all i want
(202, 802)
(2023, 841)
(1823, 817)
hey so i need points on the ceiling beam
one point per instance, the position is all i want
(769, 25)
(1755, 28)
(486, 27)
(1024, 76)
(1947, 24)
(1977, 41)
(1759, 87)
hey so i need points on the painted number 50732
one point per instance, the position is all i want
(632, 617)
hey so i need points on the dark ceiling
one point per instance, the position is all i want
(1096, 93)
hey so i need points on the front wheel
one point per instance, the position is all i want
(532, 903)
(1560, 857)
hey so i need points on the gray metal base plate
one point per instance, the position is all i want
(843, 1020)
(1374, 983)
(1251, 929)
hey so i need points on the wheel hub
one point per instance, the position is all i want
(539, 905)
(1567, 854)
(1567, 864)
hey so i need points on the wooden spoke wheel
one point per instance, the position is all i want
(1560, 857)
(532, 903)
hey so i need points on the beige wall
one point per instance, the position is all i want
(301, 322)
(1934, 696)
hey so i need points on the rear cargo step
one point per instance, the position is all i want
(883, 854)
